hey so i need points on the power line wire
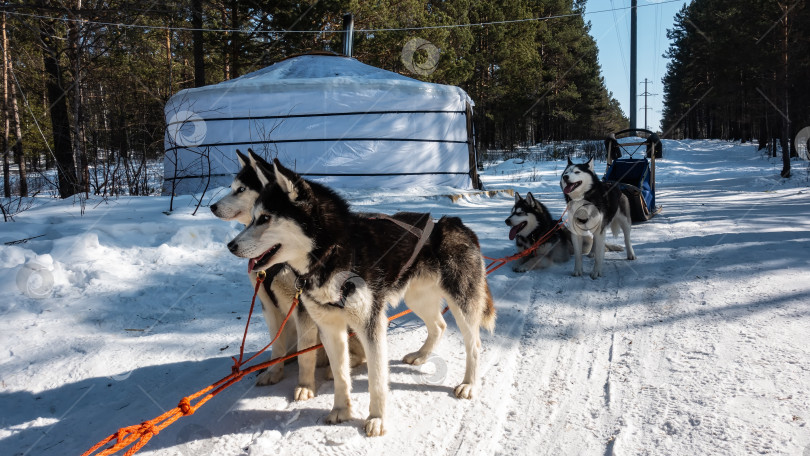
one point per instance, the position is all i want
(619, 39)
(657, 41)
(270, 32)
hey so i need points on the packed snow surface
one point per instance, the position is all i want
(700, 346)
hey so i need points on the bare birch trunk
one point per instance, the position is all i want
(169, 60)
(10, 101)
(6, 125)
(18, 149)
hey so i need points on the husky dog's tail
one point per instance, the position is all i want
(488, 318)
(462, 271)
(624, 209)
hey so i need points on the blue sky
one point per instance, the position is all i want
(611, 30)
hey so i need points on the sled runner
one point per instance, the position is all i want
(633, 171)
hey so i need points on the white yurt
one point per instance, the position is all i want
(330, 118)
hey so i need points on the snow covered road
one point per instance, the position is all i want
(697, 347)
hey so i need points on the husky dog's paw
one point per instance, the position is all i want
(304, 392)
(339, 415)
(374, 427)
(596, 274)
(416, 358)
(356, 360)
(519, 268)
(577, 272)
(631, 256)
(270, 376)
(465, 391)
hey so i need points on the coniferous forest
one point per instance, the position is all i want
(85, 81)
(739, 70)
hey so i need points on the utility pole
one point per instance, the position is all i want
(645, 108)
(633, 61)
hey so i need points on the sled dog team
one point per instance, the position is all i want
(592, 207)
(348, 267)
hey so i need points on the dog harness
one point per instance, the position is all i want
(422, 234)
(347, 288)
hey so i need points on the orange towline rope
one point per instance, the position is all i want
(140, 434)
(496, 263)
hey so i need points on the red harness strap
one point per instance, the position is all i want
(496, 263)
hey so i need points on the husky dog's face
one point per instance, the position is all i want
(577, 179)
(276, 233)
(523, 219)
(238, 204)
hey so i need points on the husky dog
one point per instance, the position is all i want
(592, 207)
(277, 293)
(351, 266)
(530, 220)
(238, 204)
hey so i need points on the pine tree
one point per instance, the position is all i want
(737, 71)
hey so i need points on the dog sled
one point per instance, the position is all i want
(631, 167)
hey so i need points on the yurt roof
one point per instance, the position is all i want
(319, 72)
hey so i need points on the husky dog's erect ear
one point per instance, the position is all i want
(263, 169)
(570, 162)
(531, 200)
(254, 157)
(290, 182)
(590, 164)
(517, 197)
(243, 159)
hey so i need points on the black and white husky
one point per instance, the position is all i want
(351, 267)
(277, 293)
(592, 207)
(530, 220)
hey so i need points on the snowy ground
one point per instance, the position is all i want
(698, 347)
